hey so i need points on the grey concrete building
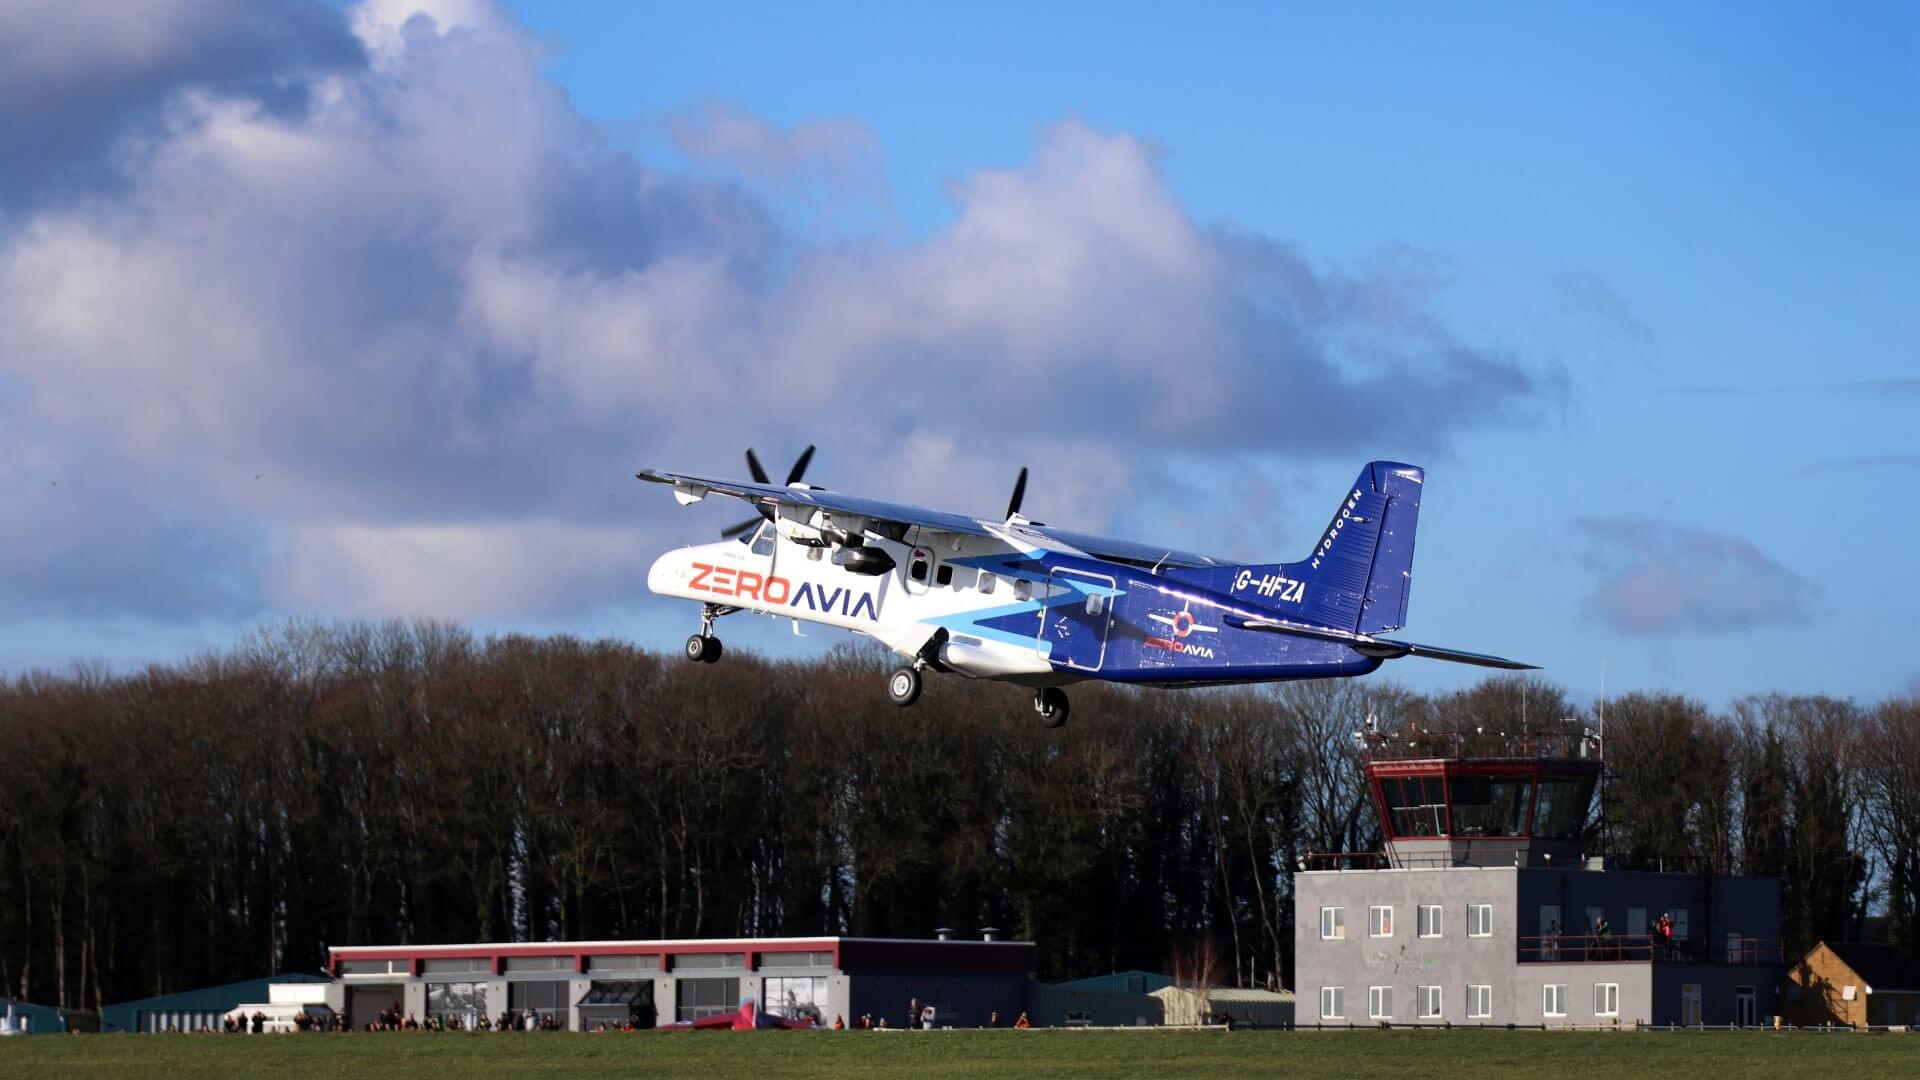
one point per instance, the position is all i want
(1483, 910)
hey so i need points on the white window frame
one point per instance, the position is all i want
(1428, 1009)
(1427, 921)
(1377, 925)
(1333, 924)
(1550, 995)
(1333, 1003)
(1379, 998)
(1484, 913)
(1606, 999)
(1480, 1001)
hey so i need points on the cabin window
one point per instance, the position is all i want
(816, 553)
(1479, 1002)
(917, 569)
(1023, 590)
(944, 575)
(763, 543)
(987, 582)
(1096, 603)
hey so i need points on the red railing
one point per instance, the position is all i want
(1485, 745)
(1645, 948)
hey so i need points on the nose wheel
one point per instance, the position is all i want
(903, 686)
(1051, 703)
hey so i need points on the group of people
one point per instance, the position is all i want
(922, 1017)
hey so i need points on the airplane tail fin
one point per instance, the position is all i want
(1360, 571)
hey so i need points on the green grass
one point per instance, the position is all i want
(1003, 1055)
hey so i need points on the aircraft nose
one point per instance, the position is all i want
(666, 571)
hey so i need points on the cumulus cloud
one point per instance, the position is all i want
(1653, 576)
(390, 332)
(838, 154)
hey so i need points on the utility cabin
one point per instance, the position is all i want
(1483, 908)
(1849, 984)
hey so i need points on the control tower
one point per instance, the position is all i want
(1486, 907)
(1481, 798)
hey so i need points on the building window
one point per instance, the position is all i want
(608, 965)
(462, 1001)
(1380, 1002)
(1553, 999)
(1333, 924)
(1606, 999)
(796, 960)
(1479, 920)
(1380, 921)
(516, 964)
(1333, 1003)
(1479, 1002)
(472, 965)
(373, 967)
(701, 998)
(797, 997)
(1429, 920)
(1429, 999)
(709, 961)
(540, 999)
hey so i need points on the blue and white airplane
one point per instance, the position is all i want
(1026, 603)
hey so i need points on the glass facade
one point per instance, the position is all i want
(464, 965)
(1416, 805)
(462, 1001)
(539, 998)
(797, 997)
(709, 961)
(1490, 805)
(599, 964)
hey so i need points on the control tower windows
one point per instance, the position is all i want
(1416, 804)
(1490, 805)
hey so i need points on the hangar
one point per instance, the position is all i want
(654, 983)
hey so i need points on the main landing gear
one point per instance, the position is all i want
(703, 647)
(1051, 703)
(903, 686)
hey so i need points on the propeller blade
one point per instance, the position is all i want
(799, 466)
(735, 530)
(1019, 493)
(753, 467)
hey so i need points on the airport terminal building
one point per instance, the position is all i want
(656, 983)
(1484, 910)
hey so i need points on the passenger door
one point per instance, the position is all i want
(1075, 619)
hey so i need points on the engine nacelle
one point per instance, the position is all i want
(870, 561)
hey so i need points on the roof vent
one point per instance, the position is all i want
(944, 933)
(989, 933)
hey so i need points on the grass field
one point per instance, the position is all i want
(1003, 1055)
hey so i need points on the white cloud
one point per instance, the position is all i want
(414, 332)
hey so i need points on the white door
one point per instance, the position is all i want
(1690, 1005)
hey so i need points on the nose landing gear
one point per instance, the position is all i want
(703, 647)
(1051, 703)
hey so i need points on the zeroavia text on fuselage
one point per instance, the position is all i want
(1019, 601)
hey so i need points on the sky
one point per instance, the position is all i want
(370, 310)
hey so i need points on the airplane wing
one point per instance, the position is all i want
(1369, 645)
(691, 488)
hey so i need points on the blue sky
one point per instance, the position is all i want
(1634, 284)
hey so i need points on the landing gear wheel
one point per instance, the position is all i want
(903, 686)
(703, 648)
(1051, 703)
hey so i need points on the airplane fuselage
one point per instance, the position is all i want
(987, 608)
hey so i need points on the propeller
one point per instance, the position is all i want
(759, 475)
(1019, 493)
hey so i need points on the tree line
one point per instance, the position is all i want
(359, 783)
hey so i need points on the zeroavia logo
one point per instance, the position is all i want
(1184, 648)
(775, 590)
